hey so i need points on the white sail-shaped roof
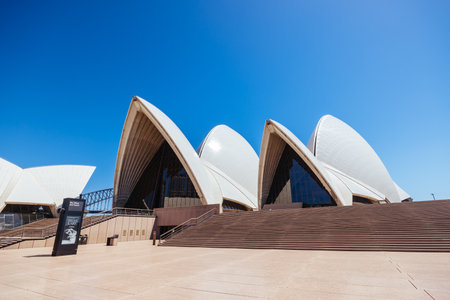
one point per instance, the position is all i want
(356, 187)
(225, 166)
(28, 191)
(275, 137)
(231, 190)
(403, 195)
(47, 185)
(338, 145)
(62, 181)
(145, 129)
(9, 175)
(233, 163)
(340, 158)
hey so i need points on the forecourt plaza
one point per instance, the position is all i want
(336, 168)
(138, 270)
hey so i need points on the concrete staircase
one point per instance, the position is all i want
(417, 226)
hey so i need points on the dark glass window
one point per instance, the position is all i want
(14, 215)
(295, 182)
(164, 183)
(230, 205)
(27, 209)
(361, 200)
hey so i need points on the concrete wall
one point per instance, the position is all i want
(172, 216)
(128, 229)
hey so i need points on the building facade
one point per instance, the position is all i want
(158, 168)
(337, 167)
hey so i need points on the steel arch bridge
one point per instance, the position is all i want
(98, 201)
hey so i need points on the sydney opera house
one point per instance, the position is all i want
(158, 168)
(337, 167)
(332, 192)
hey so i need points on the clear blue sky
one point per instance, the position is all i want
(68, 71)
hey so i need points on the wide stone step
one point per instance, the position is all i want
(419, 226)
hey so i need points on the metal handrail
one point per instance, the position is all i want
(100, 216)
(22, 220)
(131, 211)
(20, 232)
(40, 232)
(179, 228)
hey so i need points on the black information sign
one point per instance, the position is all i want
(69, 227)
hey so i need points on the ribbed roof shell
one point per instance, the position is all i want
(145, 129)
(337, 144)
(275, 137)
(47, 185)
(230, 153)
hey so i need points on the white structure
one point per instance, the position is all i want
(158, 167)
(338, 167)
(43, 186)
(346, 154)
(233, 163)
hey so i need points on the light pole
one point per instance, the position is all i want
(433, 196)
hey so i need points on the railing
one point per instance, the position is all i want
(34, 232)
(88, 220)
(30, 232)
(117, 211)
(12, 220)
(189, 223)
(41, 232)
(132, 211)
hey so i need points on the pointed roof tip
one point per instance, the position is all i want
(270, 121)
(221, 126)
(322, 120)
(327, 116)
(214, 129)
(140, 99)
